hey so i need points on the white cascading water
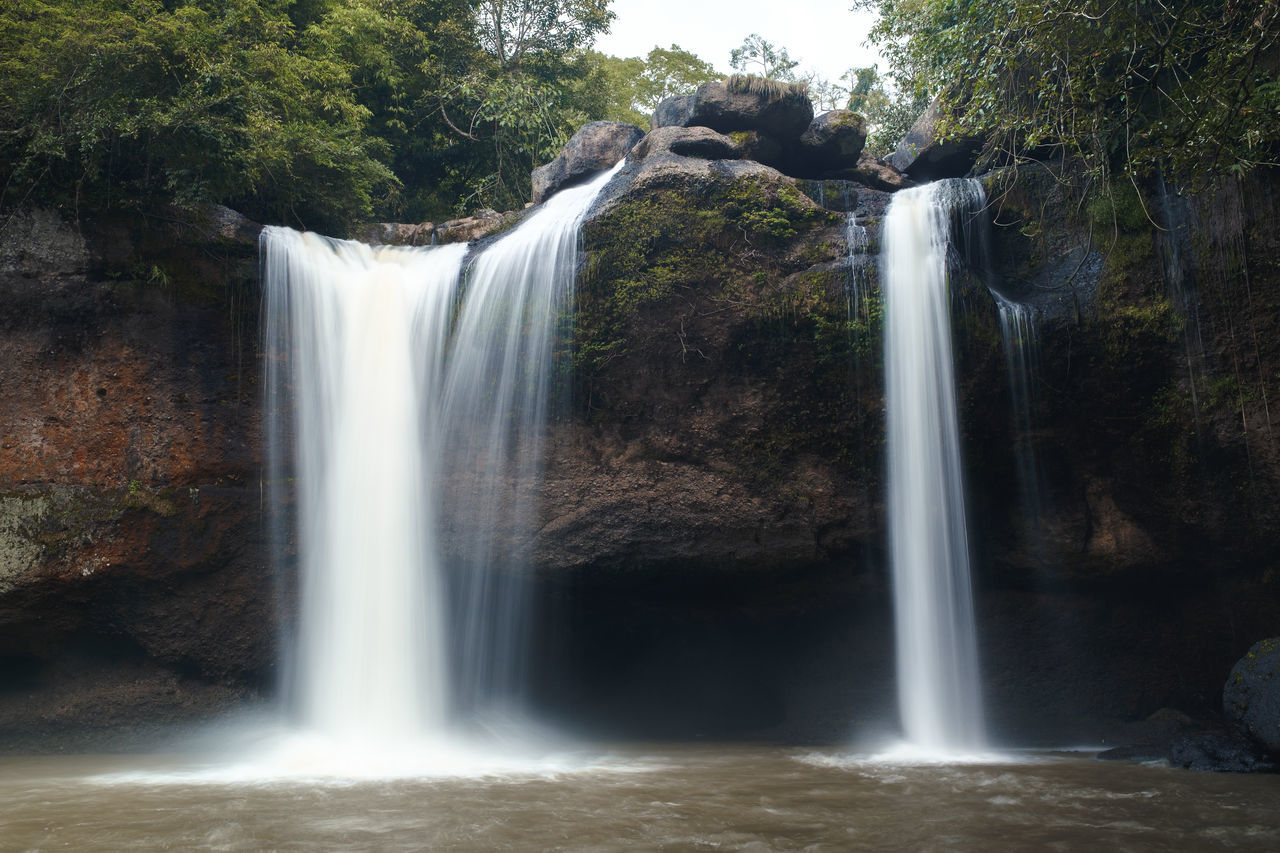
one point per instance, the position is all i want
(406, 412)
(495, 406)
(855, 237)
(937, 660)
(359, 337)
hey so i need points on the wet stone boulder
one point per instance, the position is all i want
(1251, 696)
(927, 154)
(779, 110)
(397, 234)
(594, 148)
(1218, 752)
(876, 174)
(831, 144)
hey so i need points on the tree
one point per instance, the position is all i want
(515, 31)
(630, 89)
(760, 57)
(611, 89)
(672, 71)
(518, 101)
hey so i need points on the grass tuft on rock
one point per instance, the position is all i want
(774, 90)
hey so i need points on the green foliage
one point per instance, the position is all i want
(521, 119)
(630, 89)
(1127, 88)
(771, 217)
(672, 71)
(1118, 207)
(610, 89)
(318, 113)
(889, 116)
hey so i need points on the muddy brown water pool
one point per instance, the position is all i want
(660, 797)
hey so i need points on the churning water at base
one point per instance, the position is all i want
(690, 798)
(406, 410)
(937, 660)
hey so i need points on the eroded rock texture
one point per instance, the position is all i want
(133, 584)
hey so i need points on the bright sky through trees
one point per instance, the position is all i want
(823, 34)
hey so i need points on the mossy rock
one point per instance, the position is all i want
(1251, 696)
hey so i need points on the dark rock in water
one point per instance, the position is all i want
(924, 155)
(1153, 738)
(1135, 752)
(1218, 752)
(397, 234)
(780, 110)
(869, 172)
(1251, 696)
(465, 229)
(595, 147)
(831, 144)
(701, 142)
(837, 195)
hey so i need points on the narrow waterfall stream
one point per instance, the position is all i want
(1021, 357)
(937, 660)
(493, 411)
(407, 408)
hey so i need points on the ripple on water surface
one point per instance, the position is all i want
(677, 798)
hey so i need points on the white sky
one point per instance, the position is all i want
(823, 34)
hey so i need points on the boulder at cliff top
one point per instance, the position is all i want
(831, 144)
(595, 147)
(779, 110)
(876, 174)
(701, 142)
(1251, 697)
(924, 154)
(760, 147)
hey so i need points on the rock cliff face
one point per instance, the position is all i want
(710, 557)
(131, 565)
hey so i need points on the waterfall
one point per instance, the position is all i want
(363, 334)
(495, 402)
(937, 661)
(405, 412)
(855, 238)
(1021, 358)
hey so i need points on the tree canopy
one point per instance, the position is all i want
(314, 112)
(1126, 87)
(113, 99)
